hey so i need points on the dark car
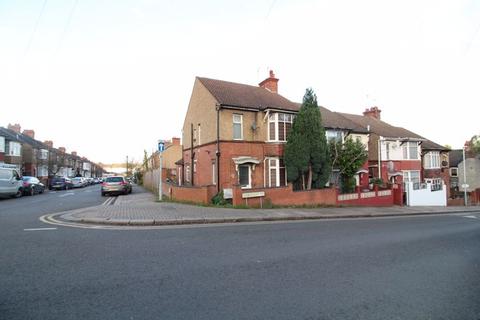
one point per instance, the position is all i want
(116, 185)
(32, 186)
(60, 183)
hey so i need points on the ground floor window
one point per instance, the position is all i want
(412, 176)
(244, 178)
(435, 183)
(214, 173)
(276, 175)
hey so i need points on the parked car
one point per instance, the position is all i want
(79, 182)
(116, 185)
(32, 186)
(11, 183)
(60, 183)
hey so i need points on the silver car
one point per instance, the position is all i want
(116, 184)
(11, 183)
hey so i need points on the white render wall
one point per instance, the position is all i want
(395, 151)
(473, 174)
(426, 197)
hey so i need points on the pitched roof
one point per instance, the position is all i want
(10, 135)
(252, 97)
(386, 130)
(246, 96)
(28, 140)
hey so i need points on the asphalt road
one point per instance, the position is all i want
(386, 268)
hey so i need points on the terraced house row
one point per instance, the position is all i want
(40, 159)
(234, 137)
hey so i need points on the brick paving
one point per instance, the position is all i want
(142, 209)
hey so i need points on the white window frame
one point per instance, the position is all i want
(249, 185)
(214, 173)
(451, 172)
(15, 149)
(274, 118)
(187, 173)
(431, 160)
(268, 169)
(195, 166)
(42, 171)
(235, 121)
(43, 154)
(336, 135)
(2, 144)
(406, 150)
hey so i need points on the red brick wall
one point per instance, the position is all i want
(285, 196)
(2, 156)
(191, 194)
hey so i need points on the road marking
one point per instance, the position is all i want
(107, 202)
(471, 217)
(67, 194)
(39, 229)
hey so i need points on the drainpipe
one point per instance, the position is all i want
(192, 155)
(379, 158)
(217, 153)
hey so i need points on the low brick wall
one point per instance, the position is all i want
(190, 194)
(285, 196)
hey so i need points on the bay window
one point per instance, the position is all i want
(279, 125)
(275, 173)
(432, 160)
(410, 150)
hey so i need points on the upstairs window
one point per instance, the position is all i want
(432, 160)
(2, 144)
(334, 135)
(453, 172)
(43, 154)
(279, 126)
(410, 150)
(237, 127)
(15, 149)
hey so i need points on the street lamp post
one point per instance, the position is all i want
(161, 148)
(464, 178)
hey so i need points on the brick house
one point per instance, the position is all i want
(399, 155)
(234, 134)
(10, 148)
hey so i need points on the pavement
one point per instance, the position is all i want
(142, 209)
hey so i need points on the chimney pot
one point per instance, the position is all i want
(373, 112)
(15, 127)
(29, 133)
(271, 83)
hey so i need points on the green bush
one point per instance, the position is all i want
(219, 200)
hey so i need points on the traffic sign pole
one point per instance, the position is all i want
(161, 148)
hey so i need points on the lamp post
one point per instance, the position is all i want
(465, 185)
(161, 148)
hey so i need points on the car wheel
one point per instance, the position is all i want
(41, 191)
(19, 193)
(130, 191)
(103, 194)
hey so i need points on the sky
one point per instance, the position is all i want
(109, 78)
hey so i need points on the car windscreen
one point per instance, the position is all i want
(115, 179)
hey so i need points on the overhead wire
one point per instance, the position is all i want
(32, 35)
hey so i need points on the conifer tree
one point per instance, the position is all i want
(307, 157)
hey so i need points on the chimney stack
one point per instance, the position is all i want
(29, 133)
(74, 153)
(48, 143)
(271, 83)
(372, 112)
(175, 141)
(16, 127)
(62, 149)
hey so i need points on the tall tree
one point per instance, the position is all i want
(348, 157)
(145, 160)
(475, 144)
(307, 158)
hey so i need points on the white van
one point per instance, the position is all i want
(11, 183)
